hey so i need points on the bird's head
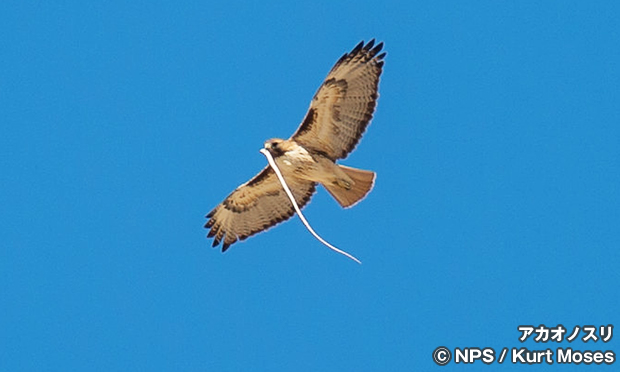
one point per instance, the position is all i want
(274, 146)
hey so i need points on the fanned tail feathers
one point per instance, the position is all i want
(363, 181)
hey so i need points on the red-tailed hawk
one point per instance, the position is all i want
(338, 116)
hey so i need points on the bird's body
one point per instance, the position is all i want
(338, 116)
(295, 161)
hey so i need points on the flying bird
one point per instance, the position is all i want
(339, 113)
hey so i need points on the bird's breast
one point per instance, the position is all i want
(297, 161)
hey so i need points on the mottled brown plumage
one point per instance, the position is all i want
(336, 120)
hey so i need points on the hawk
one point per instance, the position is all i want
(338, 115)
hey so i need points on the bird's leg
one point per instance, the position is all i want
(340, 178)
(341, 182)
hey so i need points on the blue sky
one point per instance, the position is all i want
(497, 147)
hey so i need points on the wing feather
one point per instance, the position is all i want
(344, 104)
(255, 206)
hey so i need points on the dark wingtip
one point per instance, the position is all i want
(370, 44)
(216, 242)
(358, 47)
(225, 247)
(377, 49)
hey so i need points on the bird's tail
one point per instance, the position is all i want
(363, 181)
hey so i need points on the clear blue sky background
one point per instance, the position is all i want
(497, 147)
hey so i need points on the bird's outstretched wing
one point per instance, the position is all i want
(343, 106)
(256, 206)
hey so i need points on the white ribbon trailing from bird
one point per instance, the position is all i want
(275, 168)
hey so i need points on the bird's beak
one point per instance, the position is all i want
(266, 146)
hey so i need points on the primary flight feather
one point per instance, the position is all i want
(338, 115)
